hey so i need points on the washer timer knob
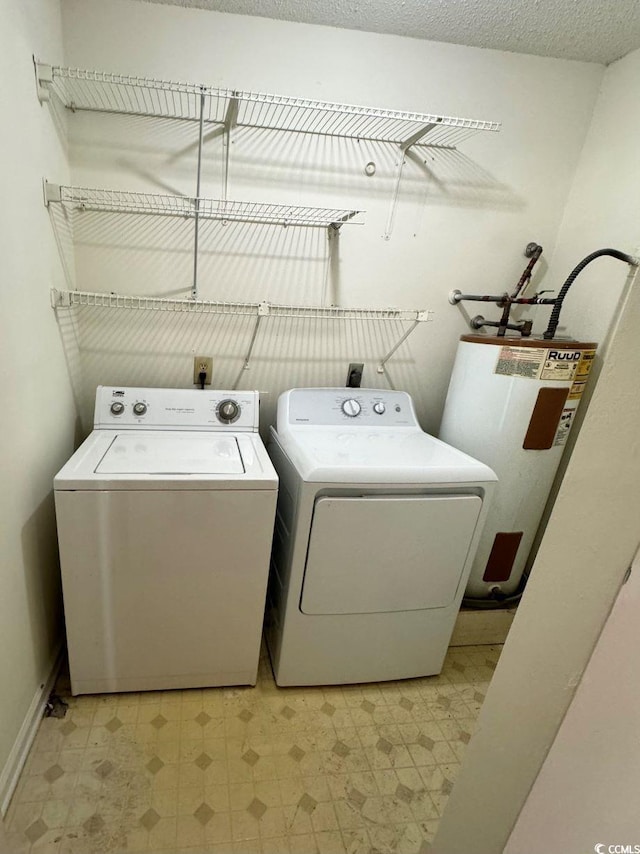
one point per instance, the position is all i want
(117, 408)
(139, 408)
(379, 408)
(228, 411)
(351, 407)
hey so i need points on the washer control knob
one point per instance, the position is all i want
(351, 407)
(117, 408)
(228, 411)
(139, 408)
(379, 408)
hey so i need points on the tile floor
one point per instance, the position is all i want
(261, 770)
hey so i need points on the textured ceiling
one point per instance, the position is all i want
(590, 30)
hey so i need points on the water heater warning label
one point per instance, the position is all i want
(521, 362)
(562, 433)
(560, 365)
(539, 363)
(582, 374)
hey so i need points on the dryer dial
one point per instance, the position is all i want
(139, 408)
(117, 408)
(351, 407)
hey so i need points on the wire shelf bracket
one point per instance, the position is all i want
(230, 122)
(405, 147)
(44, 80)
(61, 299)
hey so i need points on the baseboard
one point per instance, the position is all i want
(476, 628)
(20, 750)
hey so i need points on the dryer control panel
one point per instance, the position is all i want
(346, 406)
(119, 407)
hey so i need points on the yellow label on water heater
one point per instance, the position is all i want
(582, 373)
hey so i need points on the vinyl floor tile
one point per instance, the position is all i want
(338, 770)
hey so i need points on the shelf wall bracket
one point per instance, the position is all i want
(196, 223)
(331, 289)
(421, 317)
(60, 299)
(404, 148)
(264, 310)
(51, 192)
(230, 122)
(44, 80)
(334, 227)
(417, 136)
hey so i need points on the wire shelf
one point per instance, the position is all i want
(355, 122)
(124, 201)
(69, 299)
(82, 89)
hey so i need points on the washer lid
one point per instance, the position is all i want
(166, 453)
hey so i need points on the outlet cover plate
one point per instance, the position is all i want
(202, 363)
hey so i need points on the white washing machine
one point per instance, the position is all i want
(376, 529)
(165, 517)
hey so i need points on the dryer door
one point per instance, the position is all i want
(384, 553)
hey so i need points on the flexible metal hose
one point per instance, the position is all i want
(557, 305)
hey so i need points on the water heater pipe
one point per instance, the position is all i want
(533, 251)
(506, 301)
(557, 302)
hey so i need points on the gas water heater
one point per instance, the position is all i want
(511, 403)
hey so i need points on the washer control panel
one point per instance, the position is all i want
(175, 409)
(340, 406)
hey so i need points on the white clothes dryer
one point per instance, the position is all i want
(376, 529)
(165, 517)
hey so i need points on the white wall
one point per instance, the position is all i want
(463, 220)
(590, 540)
(38, 411)
(603, 208)
(586, 790)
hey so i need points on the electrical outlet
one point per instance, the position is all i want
(354, 374)
(202, 363)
